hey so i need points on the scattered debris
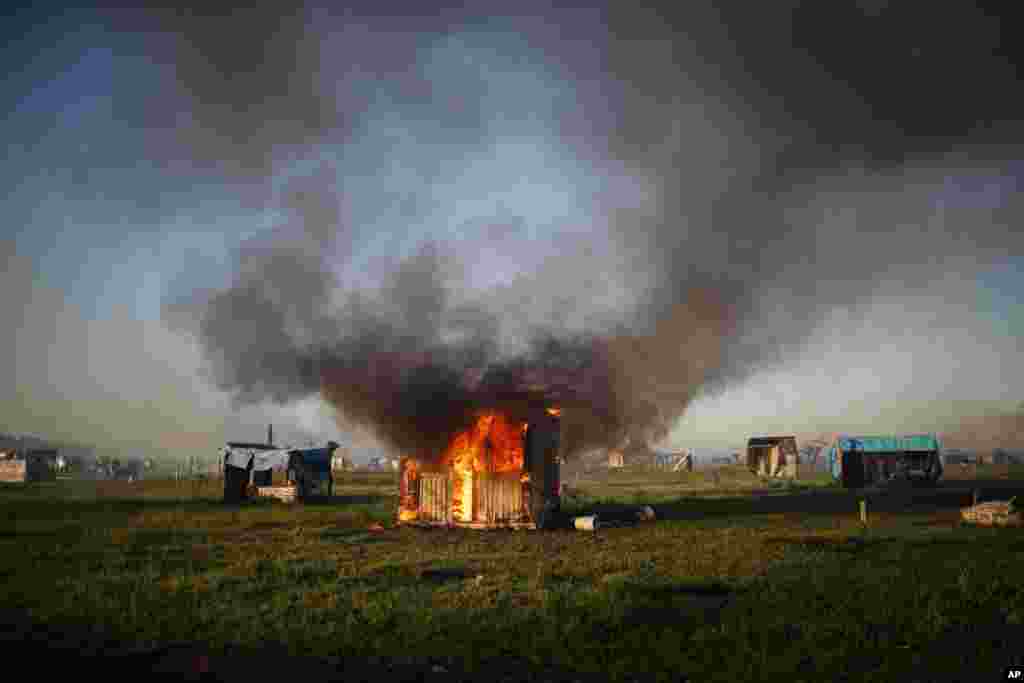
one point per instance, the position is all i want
(646, 514)
(994, 513)
(619, 519)
(285, 494)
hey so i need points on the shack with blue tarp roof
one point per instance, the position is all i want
(308, 470)
(859, 461)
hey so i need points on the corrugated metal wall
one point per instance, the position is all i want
(434, 496)
(499, 497)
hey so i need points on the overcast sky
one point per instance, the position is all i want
(143, 152)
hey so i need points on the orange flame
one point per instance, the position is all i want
(492, 444)
(554, 411)
(407, 502)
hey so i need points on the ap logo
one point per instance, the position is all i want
(1014, 673)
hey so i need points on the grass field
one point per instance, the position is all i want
(735, 581)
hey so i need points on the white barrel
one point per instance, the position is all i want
(588, 523)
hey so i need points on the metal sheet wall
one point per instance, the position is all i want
(499, 497)
(434, 496)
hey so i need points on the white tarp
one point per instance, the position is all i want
(261, 460)
(270, 460)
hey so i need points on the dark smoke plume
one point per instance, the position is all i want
(247, 83)
(797, 171)
(791, 170)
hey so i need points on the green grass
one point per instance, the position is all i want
(723, 592)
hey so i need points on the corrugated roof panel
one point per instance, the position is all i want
(890, 443)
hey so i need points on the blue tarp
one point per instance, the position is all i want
(317, 459)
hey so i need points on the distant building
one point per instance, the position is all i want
(958, 457)
(341, 461)
(859, 461)
(36, 465)
(129, 470)
(773, 456)
(383, 463)
(668, 459)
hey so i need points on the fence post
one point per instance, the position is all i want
(976, 496)
(864, 511)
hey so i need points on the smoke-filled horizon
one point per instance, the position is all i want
(746, 234)
(621, 212)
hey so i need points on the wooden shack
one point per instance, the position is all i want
(238, 462)
(773, 456)
(615, 459)
(12, 469)
(35, 465)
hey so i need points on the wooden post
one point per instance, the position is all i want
(976, 495)
(864, 511)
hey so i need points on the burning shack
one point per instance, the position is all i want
(773, 456)
(498, 472)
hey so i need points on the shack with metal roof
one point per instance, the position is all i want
(33, 465)
(859, 461)
(252, 466)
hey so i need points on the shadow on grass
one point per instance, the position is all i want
(89, 652)
(350, 536)
(650, 601)
(67, 533)
(848, 545)
(41, 508)
(364, 499)
(638, 586)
